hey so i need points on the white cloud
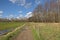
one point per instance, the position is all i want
(13, 1)
(28, 5)
(29, 14)
(19, 2)
(20, 16)
(20, 11)
(22, 3)
(37, 1)
(1, 12)
(17, 17)
(10, 16)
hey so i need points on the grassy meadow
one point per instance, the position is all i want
(40, 31)
(9, 25)
(46, 31)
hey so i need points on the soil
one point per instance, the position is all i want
(26, 34)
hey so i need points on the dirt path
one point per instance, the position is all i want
(26, 34)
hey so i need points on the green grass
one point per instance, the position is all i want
(46, 31)
(9, 25)
(12, 34)
(15, 32)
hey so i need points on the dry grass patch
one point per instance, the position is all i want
(47, 31)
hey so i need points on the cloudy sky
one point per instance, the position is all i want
(18, 8)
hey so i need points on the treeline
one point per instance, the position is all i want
(12, 20)
(49, 12)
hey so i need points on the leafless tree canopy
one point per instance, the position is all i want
(49, 12)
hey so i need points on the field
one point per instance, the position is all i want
(46, 31)
(9, 25)
(40, 31)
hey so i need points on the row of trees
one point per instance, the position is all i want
(48, 12)
(12, 20)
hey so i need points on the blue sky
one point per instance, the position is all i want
(18, 8)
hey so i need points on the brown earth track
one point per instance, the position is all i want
(26, 34)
